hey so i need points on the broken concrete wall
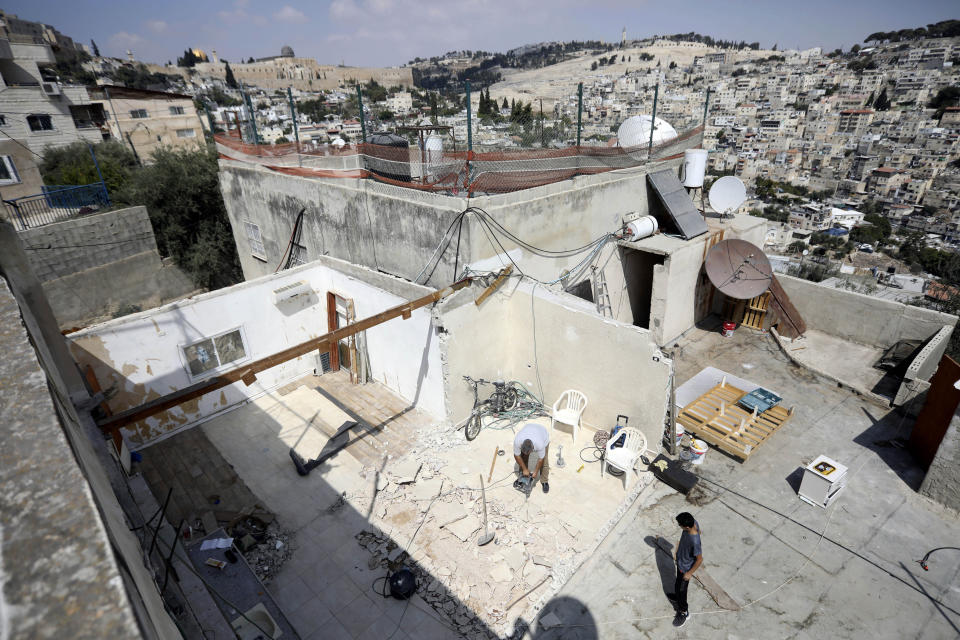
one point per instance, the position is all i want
(861, 318)
(93, 266)
(923, 366)
(942, 482)
(523, 330)
(144, 356)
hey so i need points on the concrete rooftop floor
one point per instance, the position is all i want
(327, 587)
(798, 571)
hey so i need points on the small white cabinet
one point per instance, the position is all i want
(823, 480)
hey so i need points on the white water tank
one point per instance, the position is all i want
(641, 228)
(694, 167)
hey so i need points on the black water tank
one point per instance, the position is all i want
(388, 155)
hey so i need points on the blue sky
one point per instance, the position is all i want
(391, 32)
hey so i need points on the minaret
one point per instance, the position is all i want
(129, 55)
(213, 52)
(623, 38)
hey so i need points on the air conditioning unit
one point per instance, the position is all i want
(50, 88)
(290, 291)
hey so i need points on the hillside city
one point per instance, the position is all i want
(218, 276)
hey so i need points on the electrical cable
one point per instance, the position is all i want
(21, 144)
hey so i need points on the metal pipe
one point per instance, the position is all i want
(296, 129)
(653, 119)
(163, 512)
(363, 120)
(579, 111)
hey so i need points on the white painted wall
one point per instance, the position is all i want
(140, 354)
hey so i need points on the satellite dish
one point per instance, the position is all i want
(727, 194)
(738, 269)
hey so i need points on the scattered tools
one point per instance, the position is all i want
(488, 535)
(560, 461)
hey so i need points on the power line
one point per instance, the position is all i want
(21, 144)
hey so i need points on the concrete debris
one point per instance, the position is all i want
(267, 556)
(501, 572)
(448, 606)
(464, 529)
(543, 562)
(406, 472)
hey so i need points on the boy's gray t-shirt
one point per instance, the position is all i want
(688, 549)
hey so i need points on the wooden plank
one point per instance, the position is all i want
(245, 372)
(494, 285)
(791, 323)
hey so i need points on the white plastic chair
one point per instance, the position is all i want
(567, 410)
(627, 457)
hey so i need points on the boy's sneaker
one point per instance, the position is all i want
(681, 619)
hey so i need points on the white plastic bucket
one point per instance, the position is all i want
(697, 451)
(680, 433)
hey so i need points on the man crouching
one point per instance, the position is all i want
(532, 438)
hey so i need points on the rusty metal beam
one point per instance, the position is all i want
(248, 372)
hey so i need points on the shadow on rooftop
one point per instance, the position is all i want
(887, 437)
(562, 618)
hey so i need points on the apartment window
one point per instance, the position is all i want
(40, 122)
(3, 121)
(257, 249)
(138, 114)
(298, 255)
(176, 111)
(215, 352)
(8, 171)
(186, 133)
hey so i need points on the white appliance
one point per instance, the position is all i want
(823, 480)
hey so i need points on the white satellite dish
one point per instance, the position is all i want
(727, 194)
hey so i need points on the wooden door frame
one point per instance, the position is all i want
(332, 322)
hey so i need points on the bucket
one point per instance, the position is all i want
(728, 328)
(680, 433)
(697, 451)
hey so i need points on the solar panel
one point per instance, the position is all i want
(683, 214)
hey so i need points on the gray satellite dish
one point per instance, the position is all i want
(738, 269)
(727, 194)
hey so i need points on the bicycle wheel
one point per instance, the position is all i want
(510, 399)
(473, 426)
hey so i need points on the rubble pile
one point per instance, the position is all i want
(449, 609)
(271, 549)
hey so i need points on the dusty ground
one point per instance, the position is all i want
(798, 571)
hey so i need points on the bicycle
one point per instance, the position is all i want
(503, 399)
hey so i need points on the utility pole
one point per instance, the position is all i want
(253, 116)
(579, 111)
(296, 129)
(363, 120)
(106, 91)
(653, 118)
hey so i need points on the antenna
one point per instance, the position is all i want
(739, 269)
(727, 194)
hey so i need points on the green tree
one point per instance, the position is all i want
(181, 191)
(96, 49)
(946, 97)
(73, 165)
(386, 114)
(797, 246)
(504, 104)
(229, 78)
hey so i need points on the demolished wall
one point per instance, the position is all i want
(942, 482)
(93, 266)
(147, 355)
(556, 341)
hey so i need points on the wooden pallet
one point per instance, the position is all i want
(716, 418)
(756, 311)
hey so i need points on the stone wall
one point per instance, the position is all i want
(93, 266)
(942, 482)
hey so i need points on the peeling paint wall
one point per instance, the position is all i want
(139, 357)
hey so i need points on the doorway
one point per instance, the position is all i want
(638, 267)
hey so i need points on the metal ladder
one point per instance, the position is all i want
(601, 293)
